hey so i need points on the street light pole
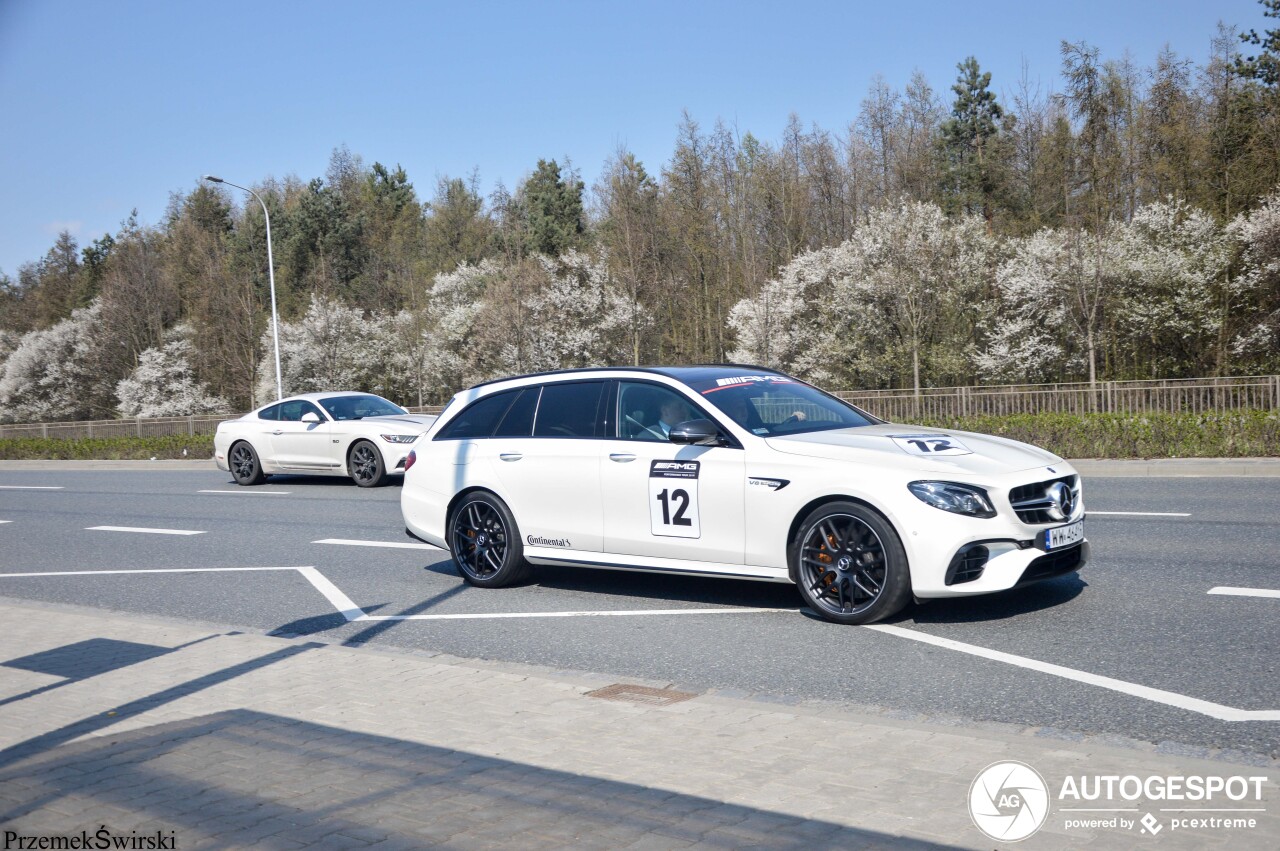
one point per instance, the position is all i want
(271, 274)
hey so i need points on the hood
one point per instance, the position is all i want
(419, 422)
(928, 450)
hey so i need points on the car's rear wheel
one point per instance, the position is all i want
(366, 466)
(246, 469)
(485, 542)
(849, 564)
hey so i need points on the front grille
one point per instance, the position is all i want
(967, 565)
(1050, 565)
(1030, 503)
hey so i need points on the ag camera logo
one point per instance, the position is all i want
(1008, 801)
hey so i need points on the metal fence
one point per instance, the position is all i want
(1181, 395)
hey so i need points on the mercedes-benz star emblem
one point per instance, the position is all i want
(1062, 500)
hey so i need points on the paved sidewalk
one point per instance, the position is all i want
(222, 739)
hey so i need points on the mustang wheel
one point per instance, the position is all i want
(850, 565)
(245, 467)
(485, 543)
(365, 464)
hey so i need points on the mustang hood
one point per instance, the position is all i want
(422, 421)
(929, 450)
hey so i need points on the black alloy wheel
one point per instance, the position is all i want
(244, 464)
(366, 465)
(485, 543)
(850, 566)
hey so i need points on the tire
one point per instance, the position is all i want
(366, 466)
(485, 542)
(849, 564)
(246, 469)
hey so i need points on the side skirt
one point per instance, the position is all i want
(640, 564)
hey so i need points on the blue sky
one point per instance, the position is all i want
(109, 106)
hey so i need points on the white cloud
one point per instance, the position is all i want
(72, 226)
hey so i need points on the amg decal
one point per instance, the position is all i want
(674, 469)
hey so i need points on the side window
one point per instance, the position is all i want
(569, 410)
(518, 421)
(272, 413)
(292, 411)
(480, 417)
(648, 411)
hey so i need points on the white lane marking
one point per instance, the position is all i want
(624, 613)
(249, 492)
(1245, 592)
(1168, 698)
(333, 594)
(30, 488)
(394, 545)
(6, 521)
(144, 570)
(142, 529)
(1139, 513)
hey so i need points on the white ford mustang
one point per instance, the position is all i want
(736, 471)
(327, 434)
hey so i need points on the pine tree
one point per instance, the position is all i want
(970, 138)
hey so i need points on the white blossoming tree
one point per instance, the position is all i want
(1256, 291)
(163, 384)
(334, 347)
(55, 373)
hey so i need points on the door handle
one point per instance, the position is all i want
(278, 431)
(621, 457)
(510, 456)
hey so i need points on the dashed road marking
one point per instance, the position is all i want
(30, 488)
(1245, 592)
(143, 530)
(248, 492)
(394, 545)
(1168, 698)
(1140, 513)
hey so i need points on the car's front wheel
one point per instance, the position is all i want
(849, 564)
(366, 466)
(246, 469)
(485, 542)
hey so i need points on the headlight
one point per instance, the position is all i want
(954, 497)
(399, 438)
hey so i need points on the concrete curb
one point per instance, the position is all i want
(1179, 467)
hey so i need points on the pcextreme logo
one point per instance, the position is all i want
(1008, 801)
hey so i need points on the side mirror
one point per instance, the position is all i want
(311, 417)
(696, 433)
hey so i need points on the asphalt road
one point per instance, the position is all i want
(1139, 614)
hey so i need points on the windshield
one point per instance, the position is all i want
(359, 406)
(776, 404)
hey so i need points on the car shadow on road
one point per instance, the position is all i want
(728, 591)
(308, 481)
(993, 607)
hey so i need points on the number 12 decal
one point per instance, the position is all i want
(930, 444)
(673, 499)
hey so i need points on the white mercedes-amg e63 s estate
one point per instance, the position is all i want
(736, 471)
(320, 434)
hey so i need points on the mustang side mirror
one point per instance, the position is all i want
(311, 417)
(696, 433)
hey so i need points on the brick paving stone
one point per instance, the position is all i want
(241, 741)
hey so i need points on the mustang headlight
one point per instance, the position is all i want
(954, 497)
(399, 438)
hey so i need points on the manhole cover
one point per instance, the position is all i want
(641, 694)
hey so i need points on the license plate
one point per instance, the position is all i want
(1062, 536)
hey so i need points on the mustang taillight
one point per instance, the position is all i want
(408, 461)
